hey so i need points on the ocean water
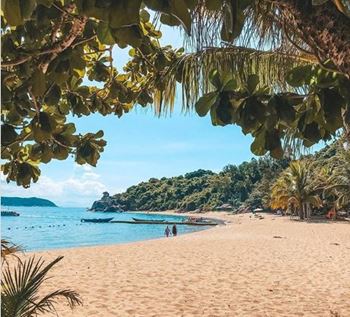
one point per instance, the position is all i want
(45, 228)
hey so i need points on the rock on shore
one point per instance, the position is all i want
(106, 204)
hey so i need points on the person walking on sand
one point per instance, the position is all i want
(167, 231)
(174, 230)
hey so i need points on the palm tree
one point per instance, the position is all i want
(293, 189)
(21, 283)
(338, 183)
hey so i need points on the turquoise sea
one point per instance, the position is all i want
(44, 228)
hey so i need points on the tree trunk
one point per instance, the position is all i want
(323, 27)
(301, 212)
(308, 211)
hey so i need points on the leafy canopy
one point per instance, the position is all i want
(57, 62)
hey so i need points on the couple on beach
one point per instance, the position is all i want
(167, 231)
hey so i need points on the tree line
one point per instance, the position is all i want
(320, 180)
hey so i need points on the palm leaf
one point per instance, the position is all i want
(20, 286)
(238, 62)
(9, 248)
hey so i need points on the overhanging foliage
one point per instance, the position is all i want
(57, 61)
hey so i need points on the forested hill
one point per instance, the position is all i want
(27, 202)
(235, 185)
(246, 185)
(259, 183)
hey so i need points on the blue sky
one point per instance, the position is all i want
(139, 146)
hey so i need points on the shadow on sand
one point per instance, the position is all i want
(321, 220)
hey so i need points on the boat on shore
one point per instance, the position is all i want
(97, 220)
(9, 213)
(147, 220)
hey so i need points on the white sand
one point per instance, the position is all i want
(235, 270)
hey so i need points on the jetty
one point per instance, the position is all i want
(184, 223)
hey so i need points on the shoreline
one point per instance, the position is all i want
(170, 213)
(249, 267)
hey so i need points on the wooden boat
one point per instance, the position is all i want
(9, 213)
(97, 220)
(147, 220)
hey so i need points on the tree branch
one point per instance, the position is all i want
(77, 28)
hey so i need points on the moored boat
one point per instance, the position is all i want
(97, 220)
(9, 213)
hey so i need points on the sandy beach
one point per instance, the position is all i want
(249, 267)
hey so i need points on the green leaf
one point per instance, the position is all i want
(46, 3)
(46, 122)
(252, 83)
(214, 78)
(224, 110)
(332, 103)
(239, 23)
(43, 127)
(204, 103)
(16, 11)
(46, 155)
(144, 15)
(191, 4)
(285, 111)
(258, 145)
(8, 134)
(273, 143)
(27, 7)
(299, 76)
(99, 134)
(169, 20)
(252, 114)
(124, 13)
(12, 12)
(104, 34)
(60, 152)
(180, 11)
(230, 85)
(213, 5)
(53, 96)
(312, 132)
(38, 83)
(228, 24)
(130, 35)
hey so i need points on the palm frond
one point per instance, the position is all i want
(48, 302)
(264, 28)
(20, 286)
(235, 61)
(9, 248)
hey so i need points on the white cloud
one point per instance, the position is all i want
(81, 189)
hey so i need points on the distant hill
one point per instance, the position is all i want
(26, 202)
(247, 185)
